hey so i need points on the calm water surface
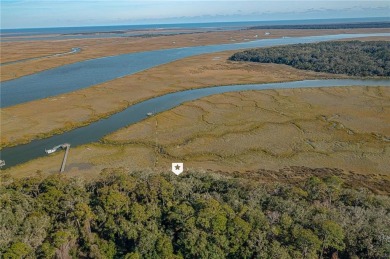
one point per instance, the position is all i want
(84, 74)
(137, 112)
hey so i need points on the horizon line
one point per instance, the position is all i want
(191, 22)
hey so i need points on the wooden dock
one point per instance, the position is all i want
(66, 147)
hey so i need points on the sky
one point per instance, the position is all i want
(69, 13)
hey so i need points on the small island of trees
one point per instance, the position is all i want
(353, 58)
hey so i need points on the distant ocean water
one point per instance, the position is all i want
(211, 26)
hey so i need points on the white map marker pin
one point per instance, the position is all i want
(177, 168)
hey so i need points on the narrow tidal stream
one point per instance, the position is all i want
(135, 113)
(87, 73)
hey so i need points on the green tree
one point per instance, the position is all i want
(133, 255)
(308, 242)
(332, 236)
(316, 188)
(334, 187)
(17, 250)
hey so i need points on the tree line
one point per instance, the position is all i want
(325, 26)
(354, 58)
(196, 215)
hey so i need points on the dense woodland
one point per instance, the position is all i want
(194, 215)
(355, 25)
(354, 58)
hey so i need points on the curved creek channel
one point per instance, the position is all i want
(87, 73)
(135, 113)
(84, 74)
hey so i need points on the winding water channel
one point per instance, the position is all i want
(72, 51)
(84, 74)
(137, 112)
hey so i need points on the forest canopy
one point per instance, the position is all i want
(354, 58)
(325, 26)
(196, 215)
